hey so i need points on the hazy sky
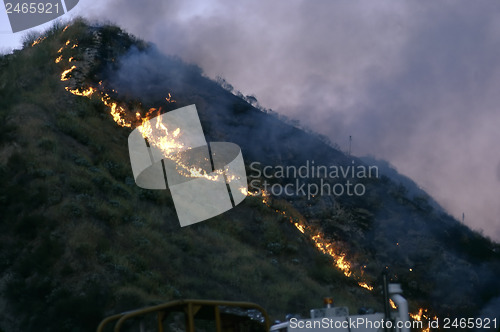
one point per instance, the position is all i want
(414, 82)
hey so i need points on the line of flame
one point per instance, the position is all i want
(38, 41)
(365, 285)
(323, 245)
(66, 72)
(168, 144)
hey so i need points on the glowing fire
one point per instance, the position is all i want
(170, 99)
(422, 313)
(38, 41)
(393, 305)
(300, 227)
(168, 143)
(322, 244)
(62, 47)
(327, 248)
(64, 74)
(86, 93)
(117, 112)
(420, 316)
(365, 285)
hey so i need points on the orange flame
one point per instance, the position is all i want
(117, 112)
(323, 245)
(86, 93)
(170, 99)
(421, 316)
(66, 72)
(38, 41)
(327, 248)
(300, 227)
(365, 285)
(167, 142)
(418, 316)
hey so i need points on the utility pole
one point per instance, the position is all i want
(350, 143)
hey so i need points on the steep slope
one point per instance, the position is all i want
(79, 240)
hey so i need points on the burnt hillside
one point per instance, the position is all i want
(79, 240)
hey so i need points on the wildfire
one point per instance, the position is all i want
(327, 248)
(62, 47)
(170, 99)
(393, 305)
(418, 316)
(245, 192)
(421, 316)
(86, 93)
(300, 227)
(322, 244)
(117, 112)
(169, 143)
(64, 74)
(365, 285)
(38, 41)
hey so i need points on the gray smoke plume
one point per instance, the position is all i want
(413, 82)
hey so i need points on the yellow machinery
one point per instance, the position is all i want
(191, 316)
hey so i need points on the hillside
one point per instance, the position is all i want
(79, 240)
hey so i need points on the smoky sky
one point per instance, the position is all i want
(413, 82)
